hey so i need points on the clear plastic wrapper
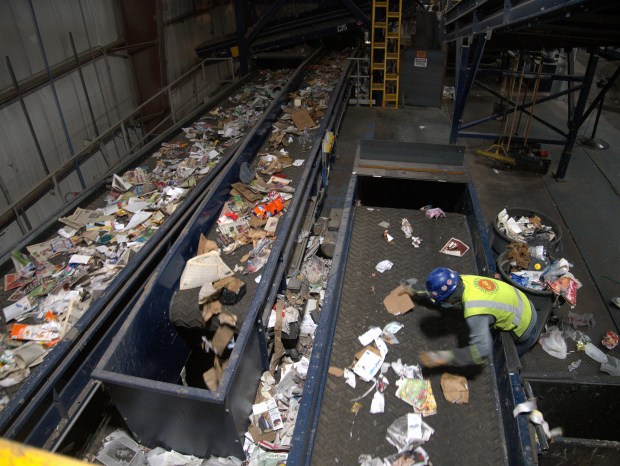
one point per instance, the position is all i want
(259, 255)
(407, 228)
(553, 343)
(595, 353)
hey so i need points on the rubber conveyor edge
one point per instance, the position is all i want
(520, 448)
(225, 408)
(52, 395)
(45, 399)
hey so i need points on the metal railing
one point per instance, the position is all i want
(360, 81)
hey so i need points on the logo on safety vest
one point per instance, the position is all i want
(485, 285)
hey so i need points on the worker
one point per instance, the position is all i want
(486, 303)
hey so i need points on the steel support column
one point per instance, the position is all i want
(575, 122)
(465, 82)
(241, 42)
(142, 20)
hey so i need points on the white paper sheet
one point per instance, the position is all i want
(202, 269)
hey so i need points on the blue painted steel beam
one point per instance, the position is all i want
(520, 107)
(544, 76)
(495, 136)
(465, 82)
(475, 16)
(599, 98)
(575, 122)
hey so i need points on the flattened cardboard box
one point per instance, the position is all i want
(398, 301)
(302, 119)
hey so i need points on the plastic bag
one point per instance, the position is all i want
(556, 270)
(595, 353)
(612, 366)
(259, 255)
(553, 343)
(581, 320)
(408, 431)
(565, 287)
(407, 228)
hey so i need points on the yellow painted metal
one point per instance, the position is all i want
(497, 152)
(385, 52)
(17, 454)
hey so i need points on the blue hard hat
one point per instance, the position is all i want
(441, 282)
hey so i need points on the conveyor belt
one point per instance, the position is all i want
(65, 373)
(464, 434)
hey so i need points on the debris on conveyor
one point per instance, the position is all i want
(246, 230)
(294, 317)
(54, 282)
(119, 449)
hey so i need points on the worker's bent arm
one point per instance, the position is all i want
(480, 342)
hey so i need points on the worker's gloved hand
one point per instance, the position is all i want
(411, 287)
(432, 359)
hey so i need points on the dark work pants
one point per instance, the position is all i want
(528, 340)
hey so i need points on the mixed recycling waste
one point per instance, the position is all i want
(54, 282)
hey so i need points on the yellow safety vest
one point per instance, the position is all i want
(510, 307)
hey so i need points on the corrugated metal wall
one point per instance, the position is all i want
(184, 30)
(35, 36)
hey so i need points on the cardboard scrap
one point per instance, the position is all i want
(302, 119)
(232, 289)
(214, 375)
(246, 192)
(205, 245)
(335, 371)
(222, 337)
(210, 309)
(398, 301)
(226, 318)
(258, 436)
(455, 389)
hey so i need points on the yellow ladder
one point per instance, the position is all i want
(385, 52)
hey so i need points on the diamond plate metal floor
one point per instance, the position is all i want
(464, 434)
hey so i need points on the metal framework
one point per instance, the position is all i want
(476, 25)
(259, 37)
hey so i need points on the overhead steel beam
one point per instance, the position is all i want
(264, 19)
(357, 12)
(515, 17)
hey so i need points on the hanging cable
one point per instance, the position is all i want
(514, 113)
(534, 97)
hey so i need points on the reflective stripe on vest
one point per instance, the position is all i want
(516, 312)
(483, 295)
